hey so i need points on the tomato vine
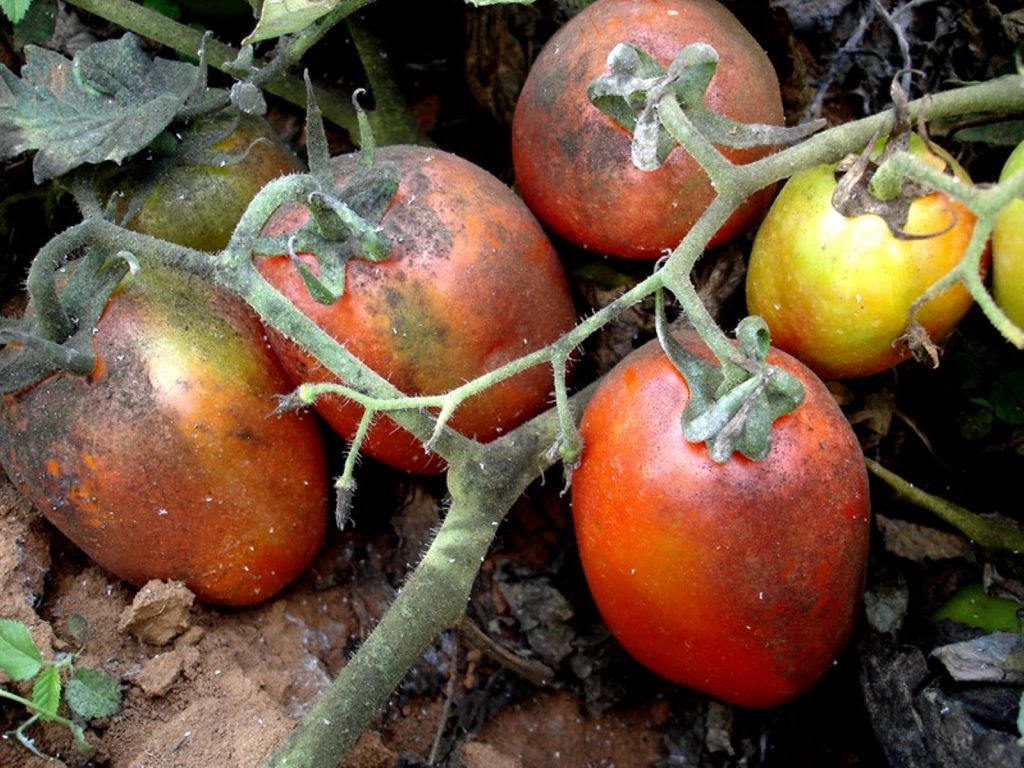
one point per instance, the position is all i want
(483, 480)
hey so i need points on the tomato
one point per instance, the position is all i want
(1008, 248)
(836, 292)
(572, 162)
(168, 461)
(472, 282)
(743, 579)
(196, 195)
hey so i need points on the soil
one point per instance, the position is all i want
(211, 687)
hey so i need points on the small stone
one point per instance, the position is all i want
(480, 754)
(159, 673)
(159, 613)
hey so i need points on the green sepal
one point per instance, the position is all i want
(344, 222)
(732, 416)
(636, 83)
(83, 299)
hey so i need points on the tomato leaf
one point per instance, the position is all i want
(109, 102)
(1007, 398)
(46, 693)
(15, 10)
(19, 656)
(92, 693)
(283, 17)
(36, 26)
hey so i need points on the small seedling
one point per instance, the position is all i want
(89, 693)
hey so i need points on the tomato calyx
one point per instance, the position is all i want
(635, 84)
(865, 184)
(729, 412)
(56, 334)
(344, 222)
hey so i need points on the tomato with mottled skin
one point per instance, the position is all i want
(836, 291)
(1008, 248)
(472, 282)
(167, 461)
(743, 579)
(572, 162)
(196, 195)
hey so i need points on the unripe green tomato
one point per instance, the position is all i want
(836, 291)
(1008, 248)
(195, 195)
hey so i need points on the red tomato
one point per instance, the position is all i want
(742, 580)
(572, 162)
(472, 283)
(167, 461)
(836, 291)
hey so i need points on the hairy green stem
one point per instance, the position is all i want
(986, 203)
(432, 600)
(54, 323)
(983, 532)
(402, 128)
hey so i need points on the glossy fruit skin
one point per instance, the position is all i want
(167, 462)
(742, 580)
(472, 282)
(836, 291)
(572, 162)
(1008, 248)
(196, 201)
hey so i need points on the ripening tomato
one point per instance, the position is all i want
(743, 579)
(836, 291)
(572, 162)
(195, 195)
(1008, 248)
(472, 282)
(167, 461)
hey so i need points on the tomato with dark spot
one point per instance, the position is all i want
(472, 283)
(572, 162)
(743, 579)
(196, 196)
(168, 461)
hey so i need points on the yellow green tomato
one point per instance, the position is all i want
(836, 291)
(1008, 248)
(195, 194)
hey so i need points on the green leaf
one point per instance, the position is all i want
(19, 656)
(46, 693)
(283, 17)
(36, 27)
(92, 693)
(974, 607)
(1007, 398)
(108, 103)
(15, 10)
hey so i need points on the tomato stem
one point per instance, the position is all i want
(982, 531)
